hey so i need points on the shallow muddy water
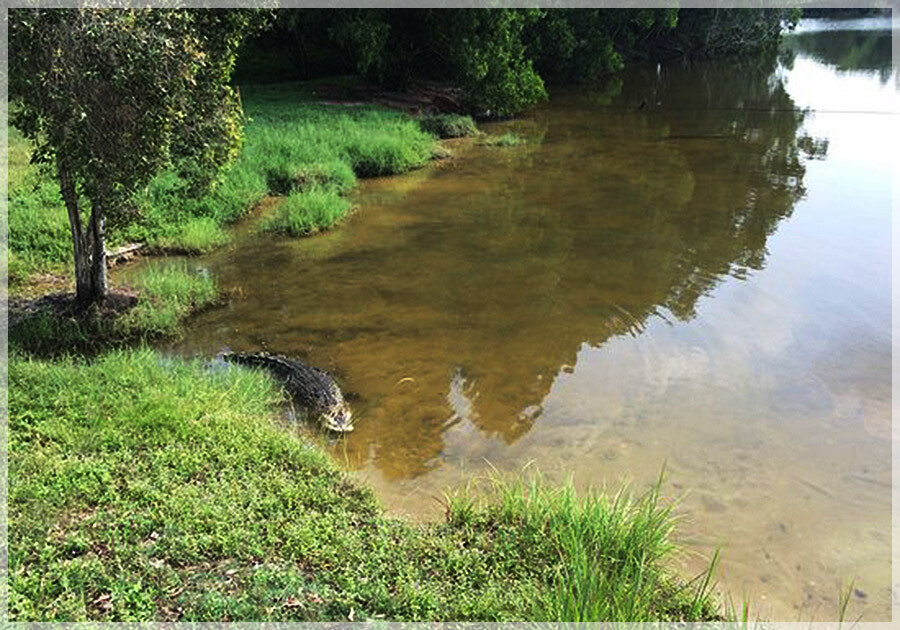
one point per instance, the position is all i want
(689, 267)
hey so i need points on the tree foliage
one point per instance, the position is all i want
(110, 97)
(482, 51)
(579, 45)
(485, 50)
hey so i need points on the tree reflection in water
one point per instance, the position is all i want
(619, 213)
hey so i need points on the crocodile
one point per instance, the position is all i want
(313, 389)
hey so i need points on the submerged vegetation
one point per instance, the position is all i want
(508, 139)
(148, 488)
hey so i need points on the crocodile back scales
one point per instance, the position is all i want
(309, 386)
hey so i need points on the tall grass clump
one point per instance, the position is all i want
(165, 295)
(606, 555)
(449, 125)
(284, 177)
(291, 139)
(306, 212)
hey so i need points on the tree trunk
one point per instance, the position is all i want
(88, 245)
(98, 257)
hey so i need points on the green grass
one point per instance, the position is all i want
(169, 293)
(197, 236)
(19, 158)
(449, 125)
(613, 551)
(291, 145)
(165, 296)
(306, 212)
(284, 177)
(38, 226)
(143, 487)
(508, 139)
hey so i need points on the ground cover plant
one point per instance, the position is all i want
(144, 487)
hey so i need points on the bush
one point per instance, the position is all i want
(449, 125)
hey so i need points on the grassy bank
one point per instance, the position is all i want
(154, 305)
(147, 488)
(293, 146)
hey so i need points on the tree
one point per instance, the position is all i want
(109, 97)
(581, 45)
(486, 49)
(480, 50)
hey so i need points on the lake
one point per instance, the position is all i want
(687, 267)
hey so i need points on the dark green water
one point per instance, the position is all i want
(690, 267)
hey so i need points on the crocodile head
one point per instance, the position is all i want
(338, 418)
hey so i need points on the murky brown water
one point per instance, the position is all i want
(689, 267)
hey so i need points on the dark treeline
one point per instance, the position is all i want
(845, 12)
(848, 50)
(500, 59)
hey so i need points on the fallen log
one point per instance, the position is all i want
(122, 254)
